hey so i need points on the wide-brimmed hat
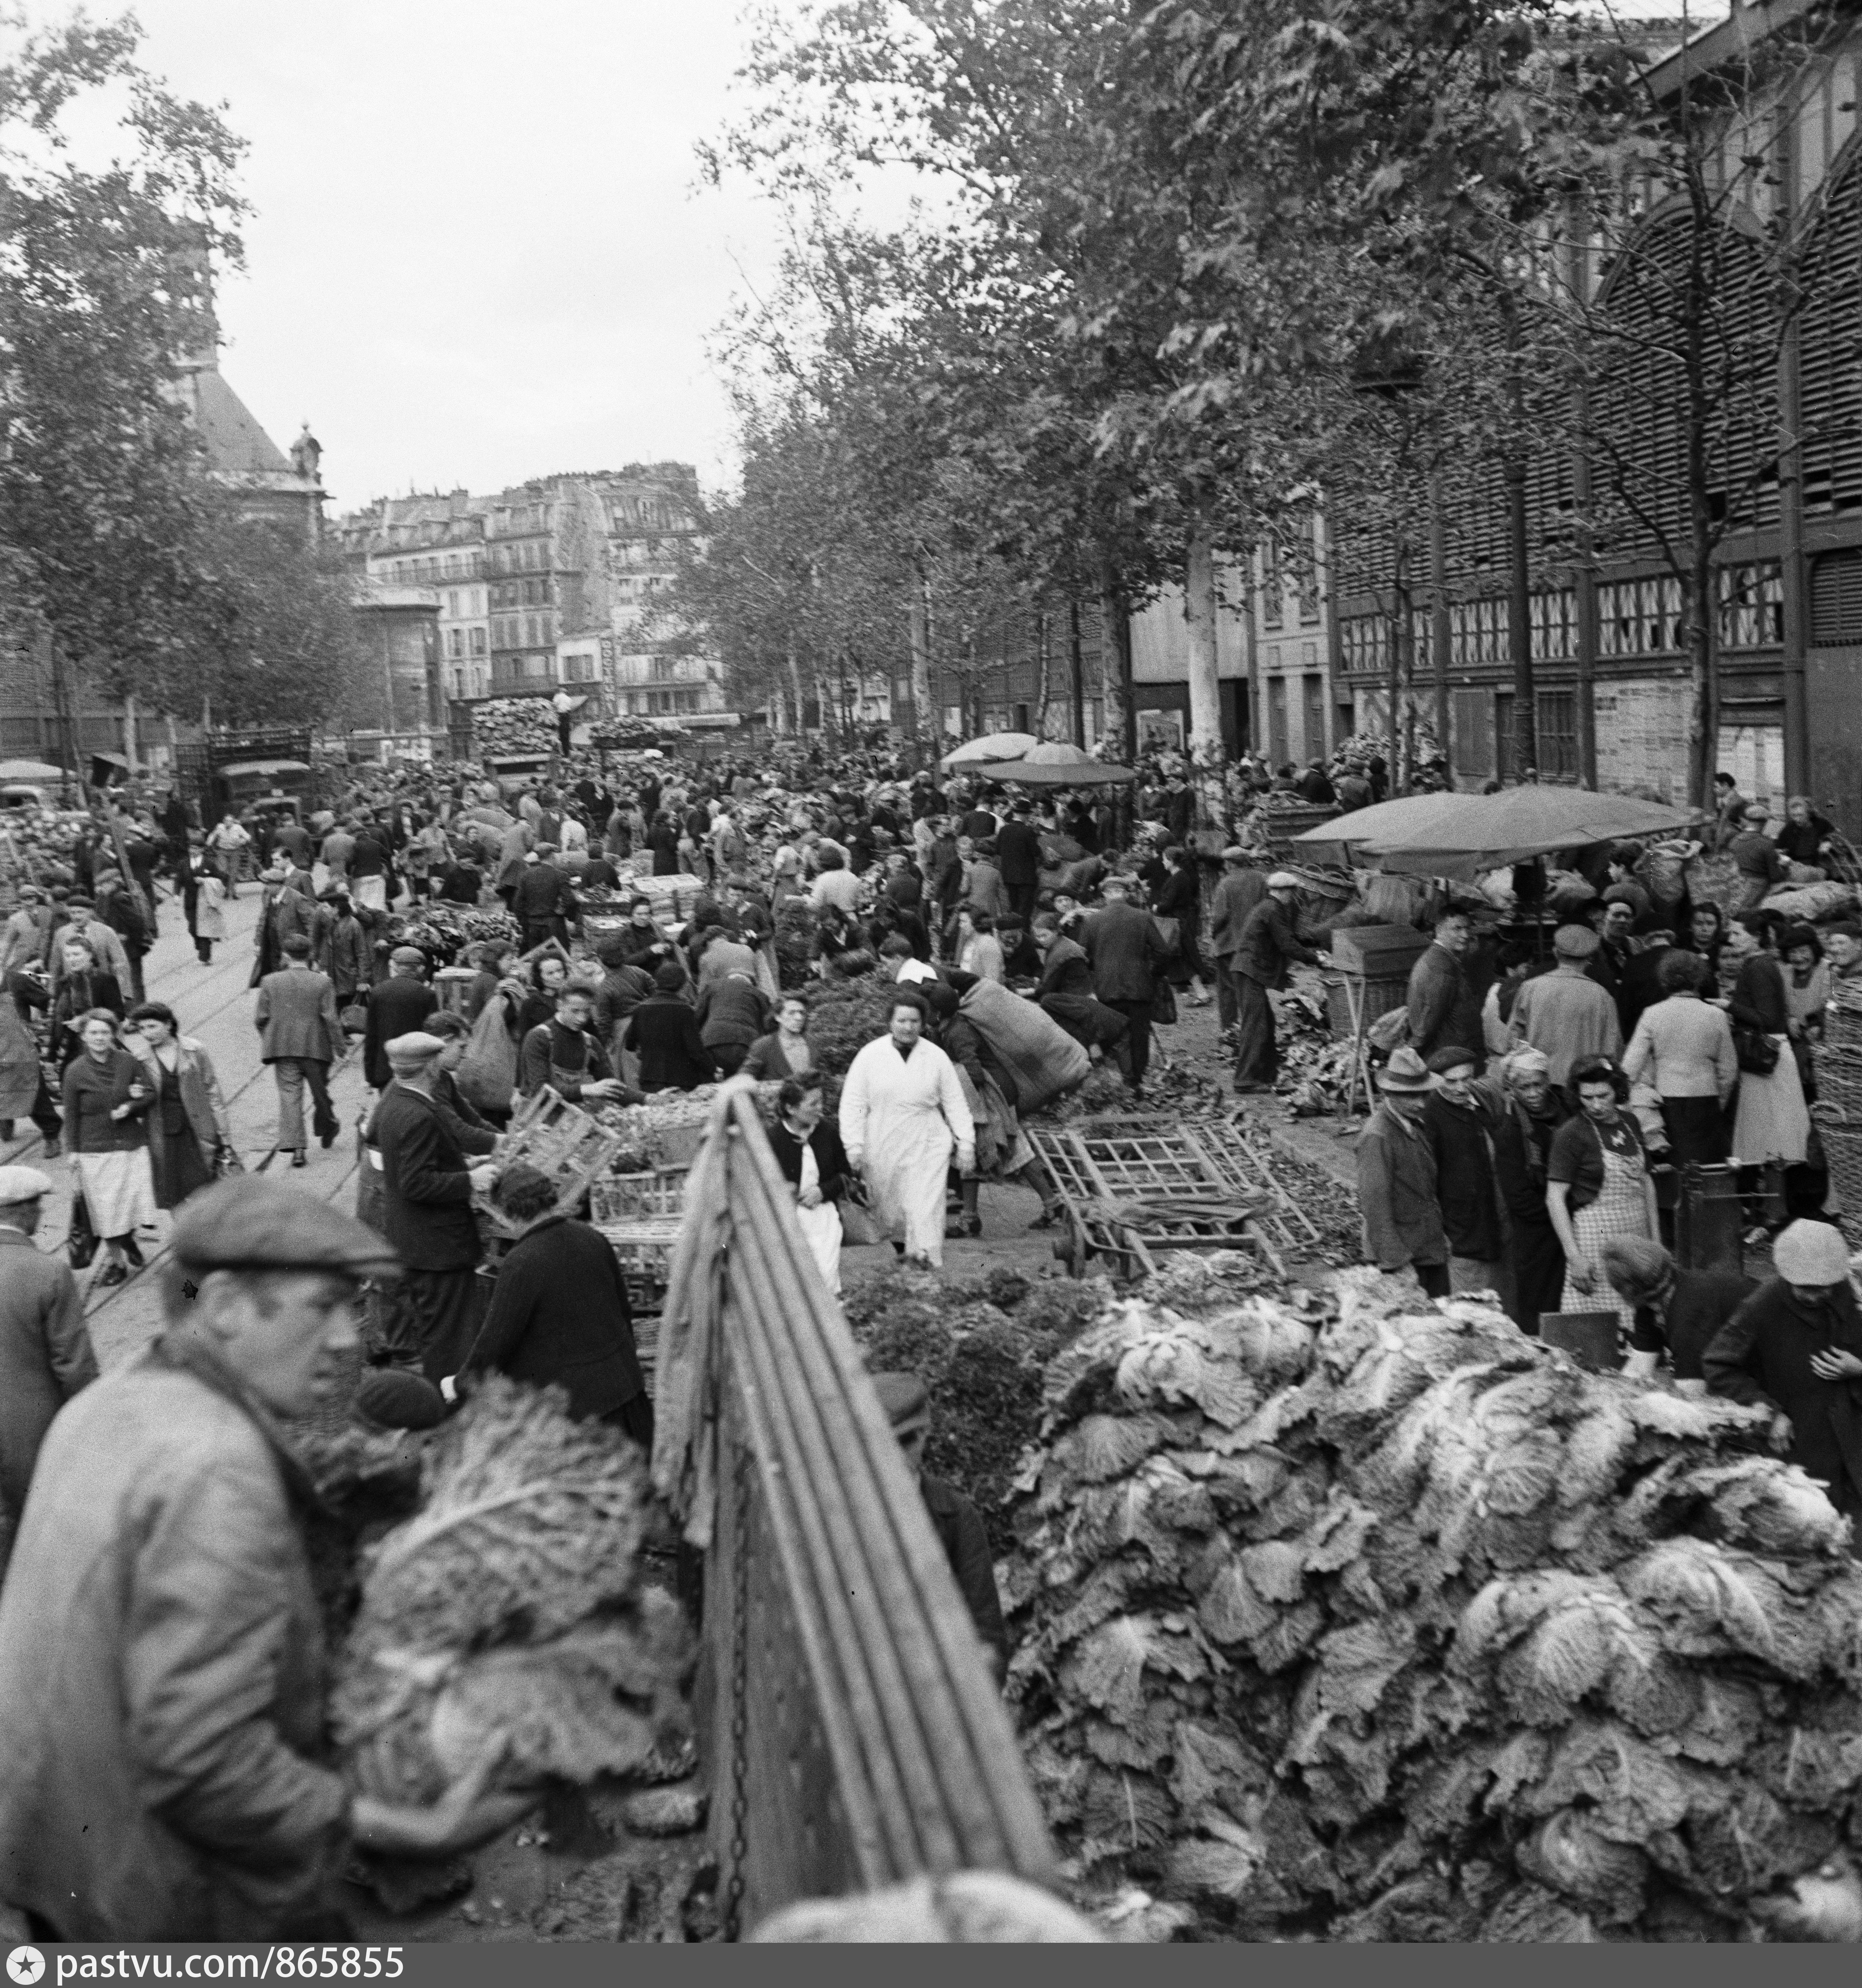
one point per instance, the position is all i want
(1405, 1072)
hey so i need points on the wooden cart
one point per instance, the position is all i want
(1137, 1187)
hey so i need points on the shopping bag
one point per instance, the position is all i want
(487, 1074)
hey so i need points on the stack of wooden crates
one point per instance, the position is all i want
(1375, 960)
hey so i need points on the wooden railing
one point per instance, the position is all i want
(853, 1734)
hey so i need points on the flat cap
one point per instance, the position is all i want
(1283, 879)
(1575, 942)
(1234, 853)
(904, 1398)
(415, 1046)
(392, 1397)
(250, 1223)
(19, 1184)
(1450, 1056)
(407, 956)
(1811, 1252)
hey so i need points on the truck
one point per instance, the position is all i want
(269, 767)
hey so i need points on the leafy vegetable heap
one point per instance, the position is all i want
(509, 1603)
(1385, 1626)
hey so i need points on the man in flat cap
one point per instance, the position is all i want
(1241, 888)
(427, 1187)
(1269, 943)
(46, 1354)
(162, 1657)
(953, 1518)
(300, 1036)
(397, 1006)
(1566, 1014)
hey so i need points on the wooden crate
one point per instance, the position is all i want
(621, 1198)
(643, 1250)
(559, 1139)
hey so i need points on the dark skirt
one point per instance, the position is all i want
(1538, 1261)
(179, 1167)
(1697, 1131)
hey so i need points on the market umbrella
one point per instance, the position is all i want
(992, 745)
(1463, 835)
(35, 771)
(1085, 771)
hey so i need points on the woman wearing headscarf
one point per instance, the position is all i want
(1795, 1346)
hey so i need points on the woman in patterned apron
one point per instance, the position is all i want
(1597, 1185)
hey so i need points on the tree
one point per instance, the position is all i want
(104, 274)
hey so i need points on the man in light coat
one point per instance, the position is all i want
(161, 1659)
(1566, 1014)
(46, 1355)
(300, 1036)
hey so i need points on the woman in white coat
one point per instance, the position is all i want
(902, 1114)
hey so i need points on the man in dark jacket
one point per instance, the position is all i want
(1269, 943)
(566, 1054)
(1241, 888)
(1460, 1125)
(1124, 949)
(665, 1035)
(1442, 1009)
(1679, 1312)
(543, 903)
(1403, 1219)
(119, 911)
(46, 1355)
(559, 1314)
(397, 1006)
(954, 1519)
(731, 1013)
(1526, 1108)
(1018, 857)
(944, 878)
(427, 1189)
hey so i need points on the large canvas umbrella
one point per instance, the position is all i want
(992, 746)
(31, 771)
(1462, 835)
(1053, 763)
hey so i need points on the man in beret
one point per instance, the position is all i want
(162, 1656)
(397, 1006)
(427, 1187)
(956, 1522)
(1565, 1013)
(46, 1354)
(1678, 1312)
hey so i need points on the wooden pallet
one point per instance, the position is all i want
(1138, 1188)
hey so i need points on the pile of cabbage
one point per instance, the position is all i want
(1356, 1618)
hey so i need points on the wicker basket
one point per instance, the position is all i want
(1843, 1154)
(1378, 996)
(1838, 1085)
(1842, 1027)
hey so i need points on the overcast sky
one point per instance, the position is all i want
(478, 252)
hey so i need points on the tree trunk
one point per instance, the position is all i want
(796, 698)
(130, 740)
(1205, 675)
(918, 722)
(1041, 691)
(1519, 621)
(1115, 662)
(1402, 650)
(1077, 661)
(1399, 615)
(1438, 624)
(1704, 720)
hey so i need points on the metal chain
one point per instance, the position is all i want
(739, 1684)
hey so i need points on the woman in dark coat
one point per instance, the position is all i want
(663, 1031)
(84, 988)
(559, 1315)
(662, 839)
(1181, 899)
(1795, 1346)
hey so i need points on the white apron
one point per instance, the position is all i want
(1771, 1121)
(901, 1119)
(820, 1225)
(1622, 1208)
